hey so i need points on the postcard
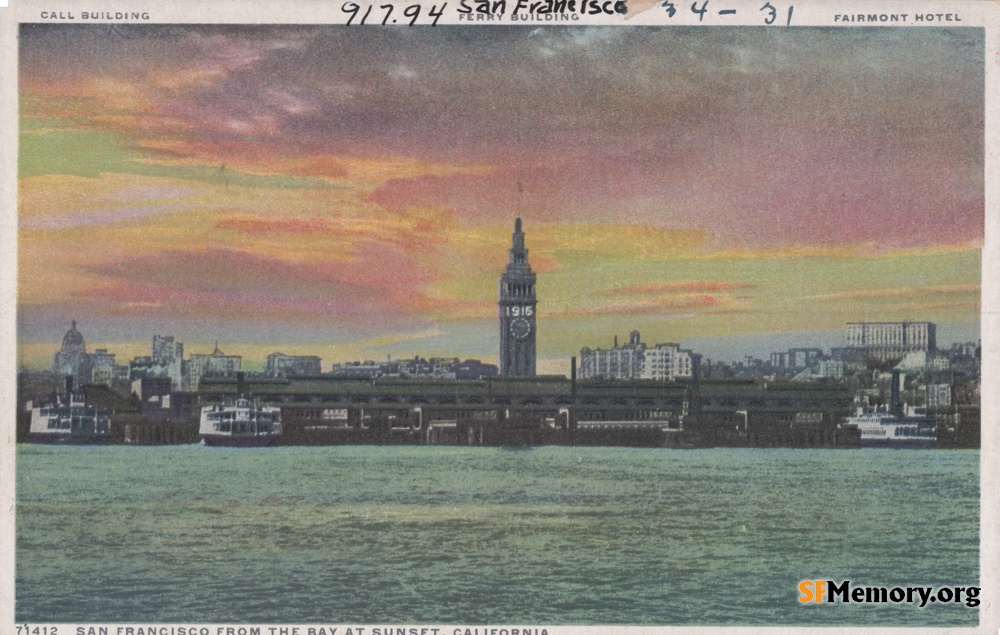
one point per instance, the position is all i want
(499, 317)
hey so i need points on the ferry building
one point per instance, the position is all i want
(517, 311)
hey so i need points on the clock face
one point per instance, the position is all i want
(520, 328)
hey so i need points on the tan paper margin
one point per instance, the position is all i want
(984, 13)
(8, 301)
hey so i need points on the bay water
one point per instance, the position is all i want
(455, 535)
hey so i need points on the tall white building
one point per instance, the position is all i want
(668, 361)
(888, 339)
(635, 360)
(617, 362)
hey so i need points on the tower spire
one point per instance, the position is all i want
(518, 256)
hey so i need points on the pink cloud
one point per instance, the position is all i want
(369, 287)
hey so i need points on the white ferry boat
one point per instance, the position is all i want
(882, 429)
(243, 424)
(69, 421)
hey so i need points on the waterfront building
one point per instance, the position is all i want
(830, 368)
(474, 369)
(215, 364)
(822, 369)
(938, 395)
(546, 410)
(967, 349)
(436, 367)
(119, 376)
(281, 365)
(668, 361)
(939, 363)
(855, 359)
(618, 362)
(360, 370)
(104, 377)
(168, 353)
(886, 340)
(635, 360)
(100, 366)
(804, 357)
(111, 375)
(417, 367)
(153, 393)
(142, 367)
(912, 361)
(517, 311)
(796, 358)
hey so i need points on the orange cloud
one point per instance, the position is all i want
(324, 167)
(683, 286)
(930, 306)
(277, 226)
(900, 292)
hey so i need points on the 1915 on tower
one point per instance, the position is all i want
(517, 311)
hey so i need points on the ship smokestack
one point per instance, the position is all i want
(895, 401)
(241, 384)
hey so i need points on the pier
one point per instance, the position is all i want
(551, 411)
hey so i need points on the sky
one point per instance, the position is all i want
(351, 192)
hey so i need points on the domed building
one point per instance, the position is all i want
(68, 359)
(73, 359)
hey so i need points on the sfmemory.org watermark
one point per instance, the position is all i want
(811, 591)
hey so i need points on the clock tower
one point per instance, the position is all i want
(517, 311)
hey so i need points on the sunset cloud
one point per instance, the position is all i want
(263, 181)
(909, 292)
(277, 226)
(225, 282)
(681, 286)
(663, 304)
(970, 305)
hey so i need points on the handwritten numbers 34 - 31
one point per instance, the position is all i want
(770, 12)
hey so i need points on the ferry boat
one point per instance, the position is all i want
(881, 428)
(243, 424)
(69, 421)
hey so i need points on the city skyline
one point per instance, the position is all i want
(254, 186)
(166, 349)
